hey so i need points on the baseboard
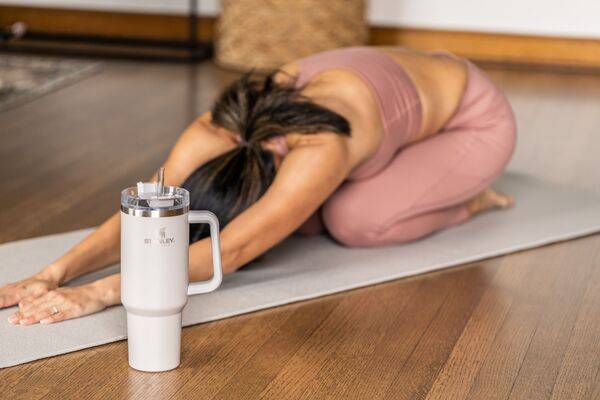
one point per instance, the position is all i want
(106, 24)
(496, 48)
(485, 47)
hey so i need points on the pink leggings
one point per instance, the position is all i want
(427, 184)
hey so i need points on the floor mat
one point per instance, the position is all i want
(304, 268)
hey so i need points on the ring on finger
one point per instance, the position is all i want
(54, 310)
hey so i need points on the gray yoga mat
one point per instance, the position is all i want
(304, 268)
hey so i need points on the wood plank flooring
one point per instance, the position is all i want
(522, 326)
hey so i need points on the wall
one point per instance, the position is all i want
(577, 18)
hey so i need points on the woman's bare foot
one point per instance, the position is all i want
(489, 199)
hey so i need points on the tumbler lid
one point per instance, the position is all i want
(146, 200)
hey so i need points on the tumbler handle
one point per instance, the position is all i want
(206, 217)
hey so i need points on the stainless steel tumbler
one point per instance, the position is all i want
(154, 270)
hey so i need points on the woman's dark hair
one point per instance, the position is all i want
(257, 108)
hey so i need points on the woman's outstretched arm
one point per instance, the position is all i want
(69, 302)
(307, 177)
(99, 249)
(102, 247)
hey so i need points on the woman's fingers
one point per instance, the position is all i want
(29, 301)
(40, 308)
(59, 316)
(14, 318)
(36, 306)
(34, 301)
(33, 287)
(38, 315)
(58, 305)
(10, 295)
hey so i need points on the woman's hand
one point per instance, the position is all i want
(68, 302)
(27, 289)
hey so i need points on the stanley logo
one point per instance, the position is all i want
(161, 238)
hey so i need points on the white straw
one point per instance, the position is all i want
(160, 181)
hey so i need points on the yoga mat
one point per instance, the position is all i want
(303, 268)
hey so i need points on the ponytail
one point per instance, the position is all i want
(257, 108)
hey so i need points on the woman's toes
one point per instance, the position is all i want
(489, 199)
(500, 199)
(510, 201)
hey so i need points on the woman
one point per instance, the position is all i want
(375, 146)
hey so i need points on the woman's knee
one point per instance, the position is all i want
(494, 146)
(348, 225)
(359, 230)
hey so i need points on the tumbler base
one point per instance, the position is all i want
(154, 343)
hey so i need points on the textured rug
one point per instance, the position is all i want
(24, 78)
(305, 268)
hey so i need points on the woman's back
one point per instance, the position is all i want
(387, 94)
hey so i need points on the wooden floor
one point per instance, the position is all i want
(523, 326)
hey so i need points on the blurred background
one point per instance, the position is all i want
(93, 93)
(548, 32)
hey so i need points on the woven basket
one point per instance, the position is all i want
(265, 34)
